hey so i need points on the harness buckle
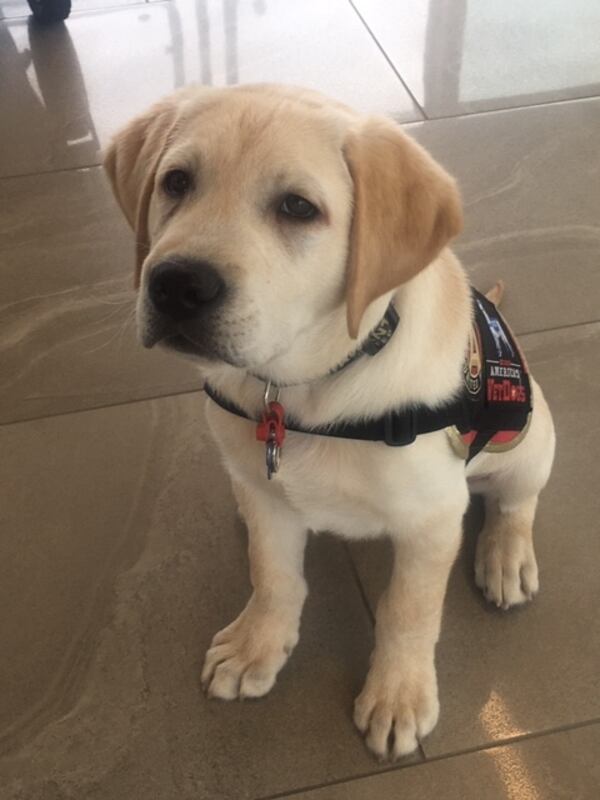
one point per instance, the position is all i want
(400, 429)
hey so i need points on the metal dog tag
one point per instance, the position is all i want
(273, 457)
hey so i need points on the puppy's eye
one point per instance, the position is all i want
(297, 207)
(177, 183)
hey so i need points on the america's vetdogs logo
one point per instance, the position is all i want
(505, 371)
(504, 383)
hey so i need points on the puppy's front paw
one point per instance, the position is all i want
(505, 568)
(245, 657)
(396, 709)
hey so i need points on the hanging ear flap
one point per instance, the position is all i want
(131, 162)
(406, 208)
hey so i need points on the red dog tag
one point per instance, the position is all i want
(272, 425)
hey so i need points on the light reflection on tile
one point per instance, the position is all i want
(496, 719)
(515, 775)
(461, 56)
(67, 88)
(498, 723)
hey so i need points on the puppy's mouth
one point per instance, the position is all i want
(207, 347)
(182, 344)
(178, 341)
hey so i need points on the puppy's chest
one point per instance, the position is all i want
(353, 488)
(337, 486)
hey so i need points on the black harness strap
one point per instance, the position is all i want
(396, 428)
(496, 396)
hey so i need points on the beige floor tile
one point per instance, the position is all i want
(555, 767)
(506, 674)
(529, 180)
(66, 89)
(460, 57)
(67, 334)
(121, 555)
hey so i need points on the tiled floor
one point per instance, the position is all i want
(120, 552)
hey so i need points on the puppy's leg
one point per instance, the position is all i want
(245, 657)
(399, 702)
(505, 565)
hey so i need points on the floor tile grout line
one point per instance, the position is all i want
(88, 409)
(405, 124)
(486, 111)
(58, 171)
(339, 782)
(567, 326)
(390, 62)
(359, 584)
(511, 740)
(534, 735)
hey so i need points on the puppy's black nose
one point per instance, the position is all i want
(182, 289)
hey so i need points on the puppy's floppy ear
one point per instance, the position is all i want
(131, 162)
(406, 208)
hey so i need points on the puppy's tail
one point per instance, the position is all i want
(496, 293)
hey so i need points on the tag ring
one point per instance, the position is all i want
(267, 395)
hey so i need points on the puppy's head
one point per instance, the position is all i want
(266, 217)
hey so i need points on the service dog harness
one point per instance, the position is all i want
(491, 413)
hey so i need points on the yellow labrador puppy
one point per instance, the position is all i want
(295, 247)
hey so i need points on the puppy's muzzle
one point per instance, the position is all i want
(184, 290)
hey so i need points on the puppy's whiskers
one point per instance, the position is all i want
(117, 334)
